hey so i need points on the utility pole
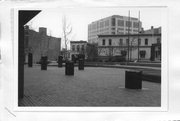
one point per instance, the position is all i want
(128, 34)
(138, 34)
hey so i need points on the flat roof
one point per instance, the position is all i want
(126, 35)
(116, 16)
(78, 41)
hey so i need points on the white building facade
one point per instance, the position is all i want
(113, 25)
(149, 47)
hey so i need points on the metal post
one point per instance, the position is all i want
(128, 34)
(138, 35)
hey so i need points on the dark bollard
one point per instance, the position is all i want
(133, 79)
(60, 61)
(30, 60)
(44, 63)
(81, 64)
(69, 68)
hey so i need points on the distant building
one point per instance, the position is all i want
(117, 45)
(78, 47)
(113, 25)
(40, 44)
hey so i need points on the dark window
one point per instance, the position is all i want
(139, 41)
(128, 23)
(146, 41)
(158, 40)
(120, 41)
(123, 53)
(120, 23)
(110, 42)
(103, 42)
(127, 41)
(135, 24)
(73, 47)
(142, 54)
(82, 48)
(113, 33)
(78, 48)
(113, 21)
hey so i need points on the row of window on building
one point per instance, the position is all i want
(121, 41)
(78, 48)
(121, 23)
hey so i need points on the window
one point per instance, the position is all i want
(103, 42)
(113, 21)
(113, 33)
(135, 24)
(120, 41)
(110, 42)
(78, 48)
(107, 23)
(127, 42)
(158, 40)
(142, 53)
(146, 41)
(82, 48)
(128, 23)
(139, 41)
(120, 23)
(101, 24)
(123, 52)
(73, 47)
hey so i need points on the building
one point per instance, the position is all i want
(78, 47)
(40, 44)
(149, 47)
(113, 25)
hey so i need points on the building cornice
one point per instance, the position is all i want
(78, 41)
(131, 35)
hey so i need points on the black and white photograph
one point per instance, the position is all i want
(93, 60)
(90, 57)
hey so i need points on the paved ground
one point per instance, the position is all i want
(91, 87)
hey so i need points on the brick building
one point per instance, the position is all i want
(40, 44)
(78, 47)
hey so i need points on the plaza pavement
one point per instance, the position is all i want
(94, 86)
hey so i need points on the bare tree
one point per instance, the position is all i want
(67, 30)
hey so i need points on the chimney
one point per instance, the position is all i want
(152, 29)
(43, 30)
(142, 30)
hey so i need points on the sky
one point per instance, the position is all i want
(79, 18)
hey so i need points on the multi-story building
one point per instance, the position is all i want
(78, 47)
(113, 25)
(149, 47)
(40, 44)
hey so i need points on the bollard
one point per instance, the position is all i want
(30, 60)
(60, 61)
(69, 68)
(81, 64)
(44, 63)
(133, 79)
